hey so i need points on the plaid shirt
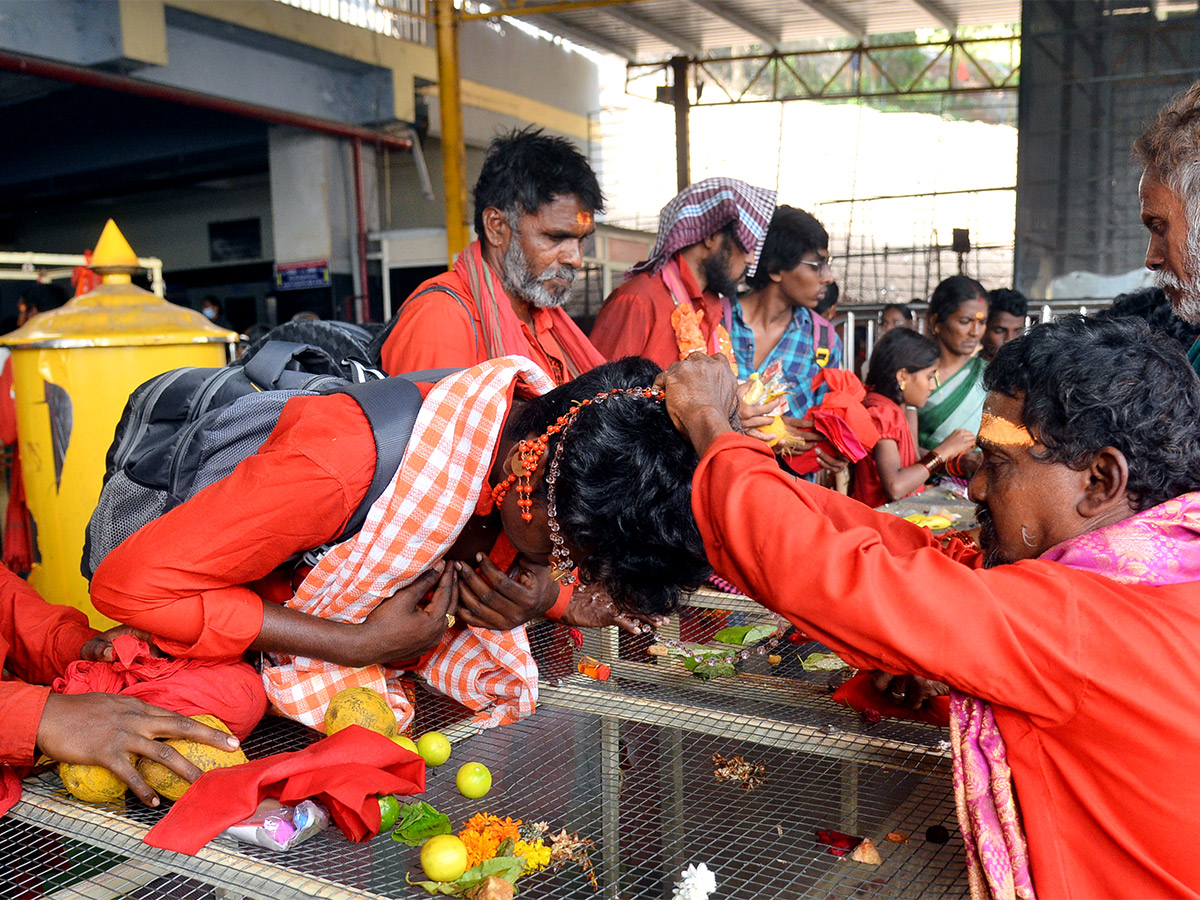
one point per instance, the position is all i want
(795, 348)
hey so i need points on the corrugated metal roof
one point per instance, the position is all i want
(650, 30)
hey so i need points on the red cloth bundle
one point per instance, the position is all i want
(229, 689)
(334, 771)
(860, 695)
(840, 418)
(10, 786)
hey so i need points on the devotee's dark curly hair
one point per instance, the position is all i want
(1152, 304)
(1089, 384)
(1007, 300)
(792, 233)
(900, 348)
(624, 494)
(526, 169)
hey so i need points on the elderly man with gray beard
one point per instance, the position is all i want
(535, 205)
(1169, 151)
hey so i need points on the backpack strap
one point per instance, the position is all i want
(822, 338)
(266, 367)
(375, 350)
(391, 406)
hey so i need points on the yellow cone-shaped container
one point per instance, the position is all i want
(73, 369)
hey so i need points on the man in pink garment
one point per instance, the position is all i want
(1069, 639)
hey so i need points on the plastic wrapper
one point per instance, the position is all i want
(279, 827)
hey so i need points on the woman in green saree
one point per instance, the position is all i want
(958, 312)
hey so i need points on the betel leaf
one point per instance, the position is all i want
(822, 662)
(744, 634)
(507, 867)
(734, 634)
(418, 823)
(707, 670)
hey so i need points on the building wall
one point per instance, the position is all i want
(152, 165)
(1092, 78)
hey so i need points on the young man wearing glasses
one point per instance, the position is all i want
(777, 319)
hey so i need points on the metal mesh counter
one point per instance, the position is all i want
(627, 763)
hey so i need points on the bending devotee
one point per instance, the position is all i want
(535, 206)
(1169, 151)
(38, 642)
(1069, 637)
(671, 303)
(484, 469)
(958, 313)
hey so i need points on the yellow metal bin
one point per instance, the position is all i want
(73, 370)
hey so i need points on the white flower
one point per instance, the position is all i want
(696, 882)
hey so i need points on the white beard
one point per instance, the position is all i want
(1185, 294)
(520, 282)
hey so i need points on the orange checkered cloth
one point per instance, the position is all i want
(408, 529)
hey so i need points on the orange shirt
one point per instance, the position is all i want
(437, 330)
(38, 640)
(636, 318)
(196, 577)
(1092, 681)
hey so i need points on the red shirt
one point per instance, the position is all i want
(889, 419)
(438, 331)
(38, 640)
(196, 577)
(1092, 681)
(636, 318)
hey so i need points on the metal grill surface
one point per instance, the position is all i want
(626, 763)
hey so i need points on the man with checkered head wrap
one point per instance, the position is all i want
(672, 303)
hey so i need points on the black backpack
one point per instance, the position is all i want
(188, 428)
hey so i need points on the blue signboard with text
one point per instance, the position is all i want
(300, 275)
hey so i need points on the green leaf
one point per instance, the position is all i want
(822, 662)
(735, 634)
(446, 888)
(507, 867)
(418, 823)
(758, 633)
(705, 671)
(744, 634)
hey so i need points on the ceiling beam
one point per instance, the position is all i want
(583, 36)
(654, 29)
(826, 10)
(739, 21)
(940, 13)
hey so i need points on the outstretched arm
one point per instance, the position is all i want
(108, 730)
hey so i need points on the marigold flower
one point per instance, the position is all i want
(483, 833)
(535, 853)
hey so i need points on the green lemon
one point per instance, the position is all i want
(473, 780)
(434, 748)
(389, 812)
(444, 857)
(406, 742)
